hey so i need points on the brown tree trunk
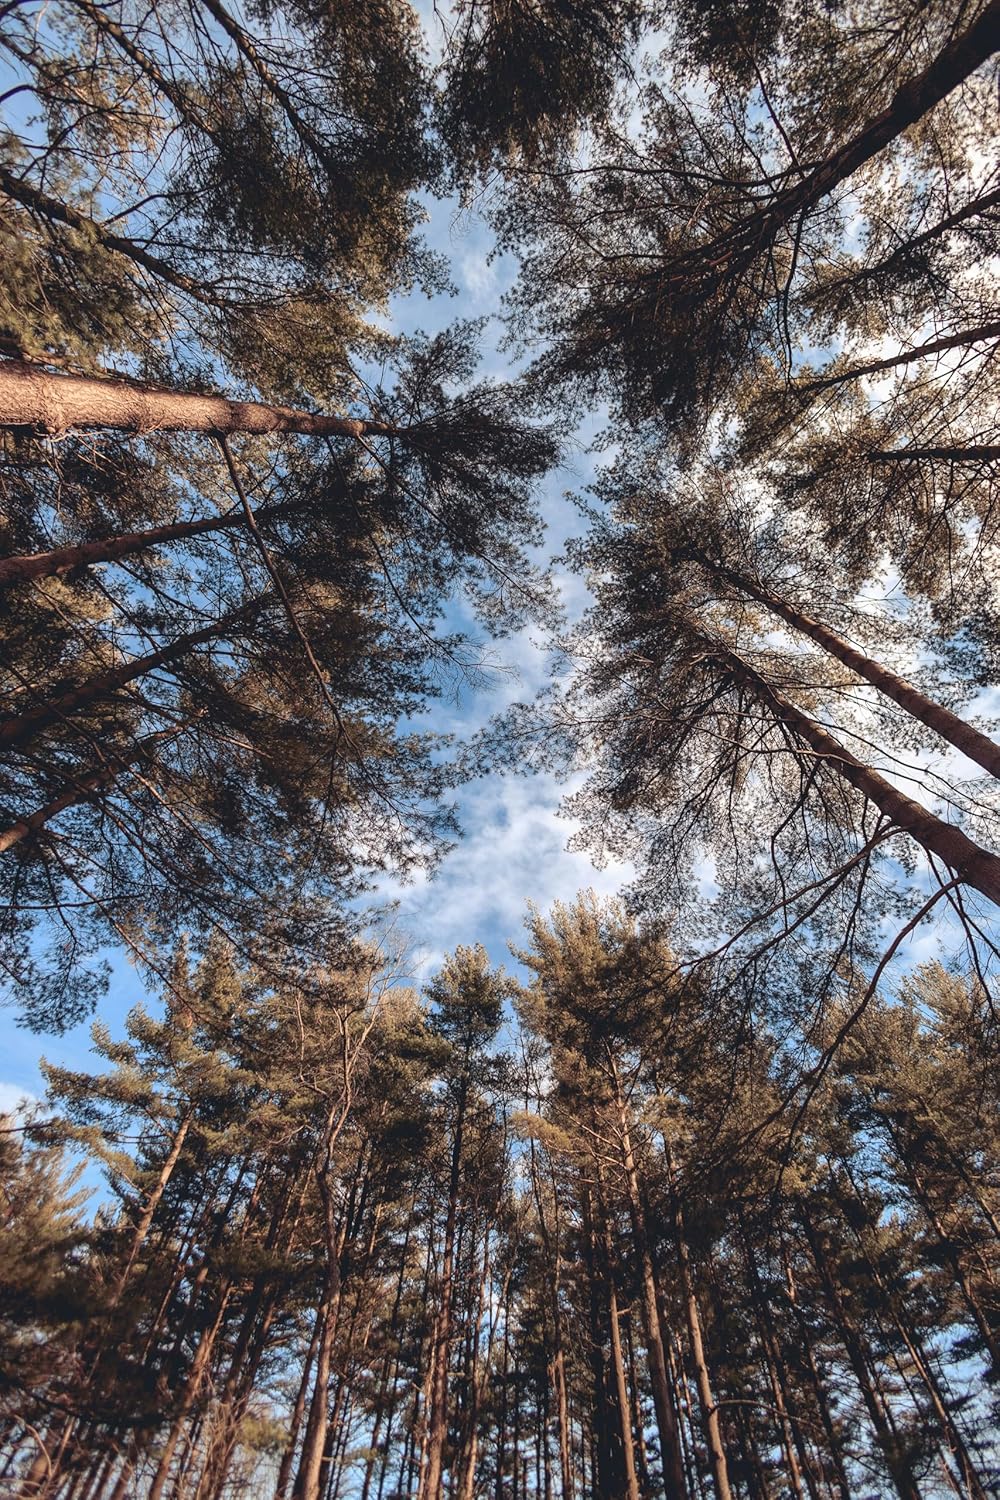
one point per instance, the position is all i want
(617, 1361)
(972, 864)
(974, 453)
(307, 1480)
(965, 336)
(431, 1487)
(706, 1398)
(23, 728)
(911, 101)
(298, 1412)
(61, 213)
(977, 746)
(31, 397)
(978, 206)
(84, 786)
(673, 1468)
(899, 1468)
(60, 560)
(192, 1389)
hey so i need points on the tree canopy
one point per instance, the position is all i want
(697, 1195)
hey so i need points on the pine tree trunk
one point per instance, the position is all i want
(631, 1487)
(603, 1469)
(983, 334)
(706, 1399)
(899, 1468)
(921, 1363)
(978, 747)
(307, 1482)
(911, 101)
(34, 398)
(961, 1274)
(973, 453)
(819, 1389)
(972, 864)
(298, 1412)
(23, 728)
(192, 1390)
(152, 1204)
(432, 1484)
(85, 785)
(62, 560)
(776, 1375)
(673, 1469)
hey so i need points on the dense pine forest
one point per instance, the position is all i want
(690, 1191)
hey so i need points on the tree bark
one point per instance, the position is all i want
(50, 208)
(431, 1487)
(31, 397)
(60, 560)
(706, 1398)
(21, 729)
(973, 453)
(971, 863)
(965, 336)
(899, 1469)
(673, 1467)
(83, 787)
(970, 741)
(911, 101)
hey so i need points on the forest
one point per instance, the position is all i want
(686, 1186)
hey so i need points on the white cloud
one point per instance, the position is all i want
(14, 1098)
(514, 851)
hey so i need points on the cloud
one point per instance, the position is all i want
(14, 1098)
(514, 851)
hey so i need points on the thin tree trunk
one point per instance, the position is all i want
(819, 1388)
(192, 1390)
(431, 1487)
(61, 213)
(706, 1399)
(61, 560)
(30, 397)
(914, 1347)
(972, 210)
(974, 453)
(985, 333)
(899, 1467)
(85, 785)
(673, 1469)
(307, 1482)
(23, 728)
(977, 746)
(298, 1412)
(617, 1361)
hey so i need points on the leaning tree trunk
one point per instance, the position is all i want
(22, 729)
(984, 333)
(85, 785)
(978, 747)
(61, 560)
(971, 863)
(911, 101)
